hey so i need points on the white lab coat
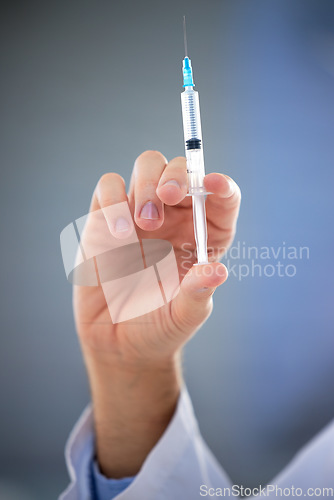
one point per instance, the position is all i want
(181, 466)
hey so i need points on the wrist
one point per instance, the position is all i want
(145, 388)
(133, 403)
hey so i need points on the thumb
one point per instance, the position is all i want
(193, 304)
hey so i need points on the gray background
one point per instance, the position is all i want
(85, 88)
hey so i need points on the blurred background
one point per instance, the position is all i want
(85, 88)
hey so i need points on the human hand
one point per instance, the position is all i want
(134, 367)
(161, 210)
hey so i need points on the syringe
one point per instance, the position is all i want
(194, 153)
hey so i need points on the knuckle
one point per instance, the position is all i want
(110, 178)
(179, 163)
(104, 184)
(228, 233)
(150, 155)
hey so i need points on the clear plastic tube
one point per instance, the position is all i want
(195, 164)
(200, 230)
(193, 137)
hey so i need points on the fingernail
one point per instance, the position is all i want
(231, 186)
(121, 225)
(171, 183)
(149, 211)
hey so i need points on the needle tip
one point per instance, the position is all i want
(185, 37)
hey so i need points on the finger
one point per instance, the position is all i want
(148, 210)
(111, 197)
(193, 304)
(172, 187)
(222, 206)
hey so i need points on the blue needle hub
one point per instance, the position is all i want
(187, 73)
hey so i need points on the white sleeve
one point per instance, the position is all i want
(174, 469)
(311, 471)
(180, 463)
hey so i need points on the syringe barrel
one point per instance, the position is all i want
(193, 140)
(191, 116)
(195, 171)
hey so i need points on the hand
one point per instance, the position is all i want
(129, 364)
(162, 187)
